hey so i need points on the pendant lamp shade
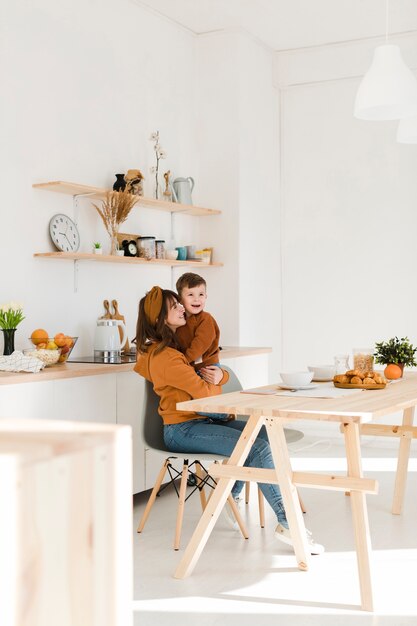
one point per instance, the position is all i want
(407, 130)
(388, 90)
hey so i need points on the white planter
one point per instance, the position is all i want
(98, 250)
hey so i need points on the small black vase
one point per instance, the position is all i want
(120, 183)
(8, 337)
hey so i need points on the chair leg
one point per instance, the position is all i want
(247, 491)
(199, 473)
(153, 495)
(238, 517)
(261, 508)
(181, 502)
(304, 510)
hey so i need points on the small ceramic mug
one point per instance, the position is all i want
(191, 250)
(172, 255)
(182, 253)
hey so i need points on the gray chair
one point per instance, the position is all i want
(193, 473)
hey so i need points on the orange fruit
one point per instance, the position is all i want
(39, 336)
(60, 339)
(393, 371)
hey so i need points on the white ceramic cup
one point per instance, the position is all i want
(191, 252)
(171, 254)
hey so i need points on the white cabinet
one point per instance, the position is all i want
(129, 392)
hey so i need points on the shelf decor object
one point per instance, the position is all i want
(159, 154)
(114, 210)
(388, 90)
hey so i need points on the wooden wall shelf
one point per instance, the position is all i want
(107, 258)
(76, 189)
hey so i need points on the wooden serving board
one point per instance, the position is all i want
(116, 316)
(348, 386)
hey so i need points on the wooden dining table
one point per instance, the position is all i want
(356, 414)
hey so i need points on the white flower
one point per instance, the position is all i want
(152, 169)
(15, 306)
(154, 136)
(161, 153)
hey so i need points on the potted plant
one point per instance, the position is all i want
(395, 354)
(11, 314)
(97, 249)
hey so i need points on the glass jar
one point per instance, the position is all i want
(146, 246)
(363, 359)
(160, 248)
(341, 363)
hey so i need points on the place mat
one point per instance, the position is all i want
(321, 391)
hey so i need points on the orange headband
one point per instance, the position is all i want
(153, 304)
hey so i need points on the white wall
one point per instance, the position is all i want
(84, 85)
(238, 128)
(348, 210)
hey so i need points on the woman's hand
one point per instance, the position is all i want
(212, 374)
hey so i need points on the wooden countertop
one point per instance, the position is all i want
(76, 370)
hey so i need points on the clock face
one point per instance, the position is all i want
(64, 233)
(132, 249)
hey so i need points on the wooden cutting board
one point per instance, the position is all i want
(117, 316)
(107, 315)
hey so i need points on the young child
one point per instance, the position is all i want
(199, 338)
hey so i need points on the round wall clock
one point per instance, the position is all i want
(64, 233)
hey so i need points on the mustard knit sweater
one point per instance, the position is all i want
(174, 380)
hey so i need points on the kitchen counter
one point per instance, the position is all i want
(77, 370)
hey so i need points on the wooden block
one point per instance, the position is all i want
(65, 543)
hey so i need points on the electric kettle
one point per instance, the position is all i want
(107, 341)
(182, 188)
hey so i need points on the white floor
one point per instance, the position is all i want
(256, 582)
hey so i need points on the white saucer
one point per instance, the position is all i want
(297, 388)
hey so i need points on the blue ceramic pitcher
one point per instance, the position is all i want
(182, 188)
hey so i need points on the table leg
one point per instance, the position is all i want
(289, 493)
(402, 464)
(218, 499)
(359, 515)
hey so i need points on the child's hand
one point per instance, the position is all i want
(212, 374)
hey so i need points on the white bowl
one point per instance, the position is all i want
(322, 372)
(171, 254)
(296, 379)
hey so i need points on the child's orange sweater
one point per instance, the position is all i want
(200, 338)
(174, 380)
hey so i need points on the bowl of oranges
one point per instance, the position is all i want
(51, 350)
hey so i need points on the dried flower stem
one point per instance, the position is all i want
(115, 210)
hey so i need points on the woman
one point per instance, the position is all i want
(174, 380)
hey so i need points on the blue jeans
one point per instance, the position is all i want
(207, 435)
